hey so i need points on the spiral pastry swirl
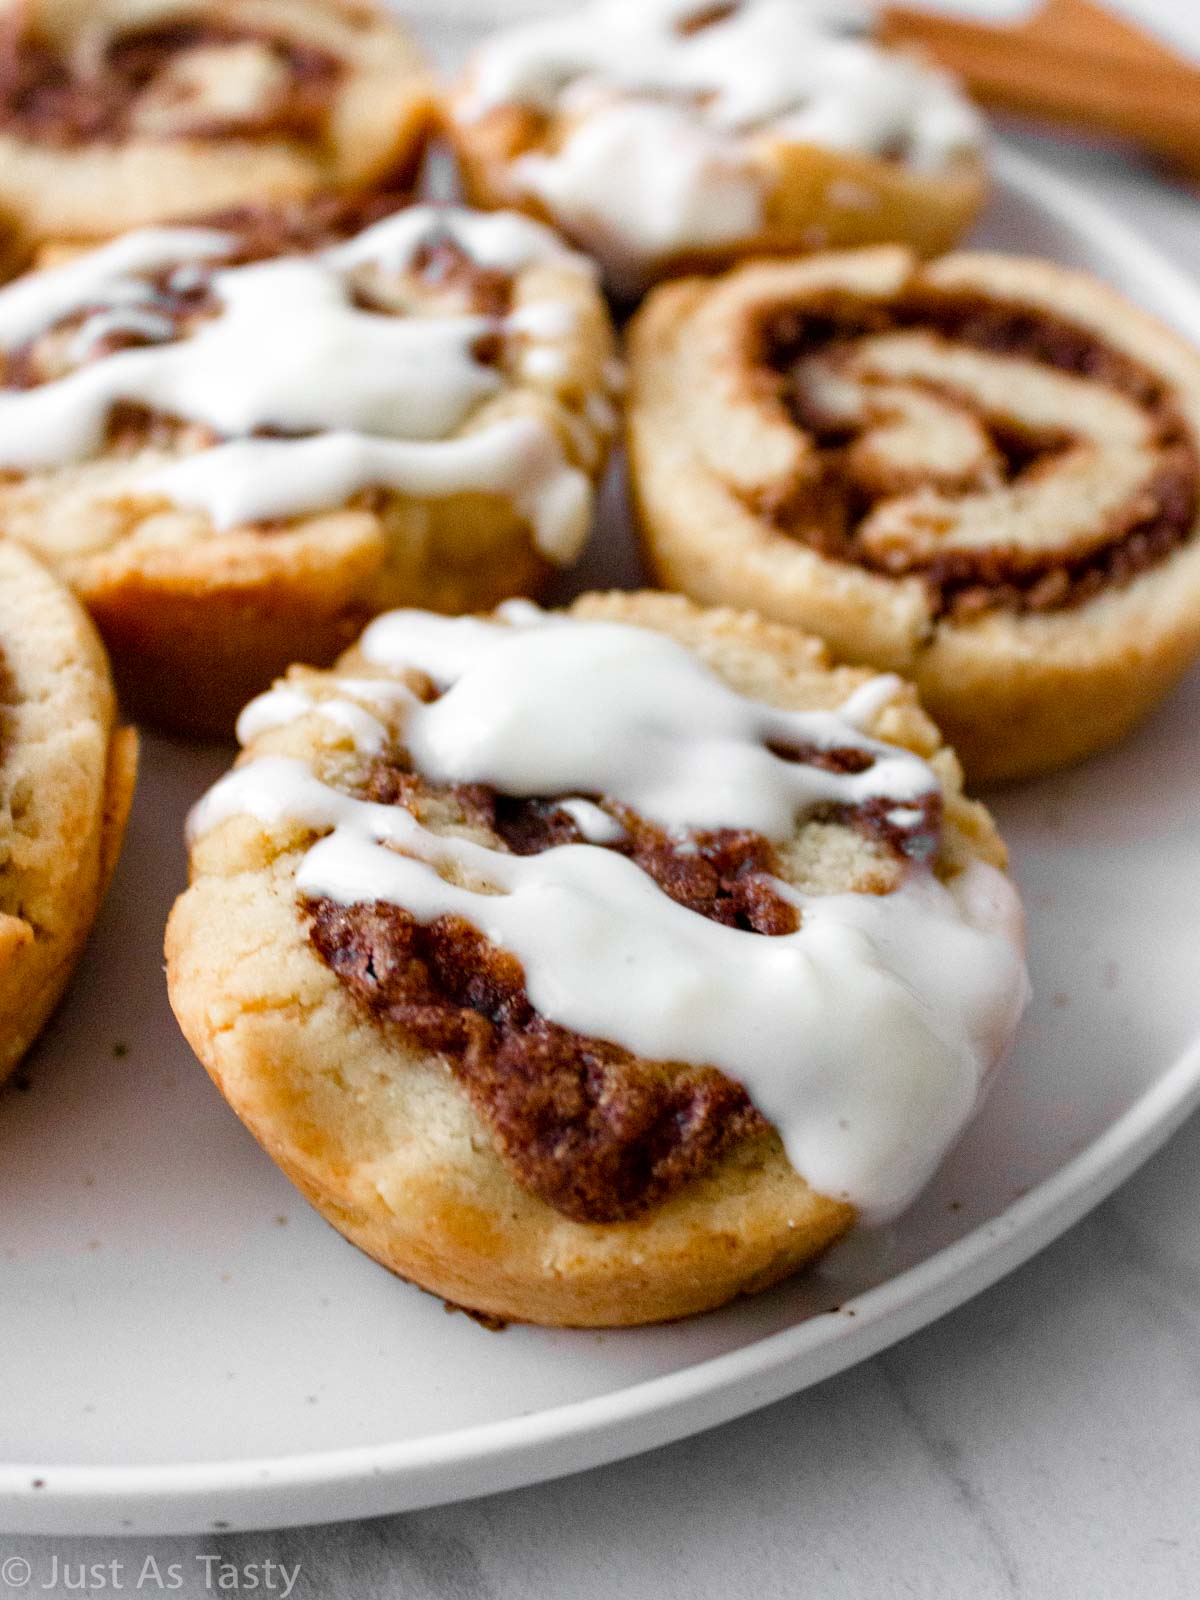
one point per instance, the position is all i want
(983, 473)
(118, 113)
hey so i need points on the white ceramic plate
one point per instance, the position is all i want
(187, 1346)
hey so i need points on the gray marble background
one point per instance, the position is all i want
(1042, 1441)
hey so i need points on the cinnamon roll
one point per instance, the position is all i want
(673, 135)
(238, 441)
(66, 779)
(118, 113)
(982, 473)
(593, 968)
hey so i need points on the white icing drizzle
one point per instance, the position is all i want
(101, 277)
(503, 240)
(602, 708)
(595, 824)
(659, 154)
(289, 350)
(769, 60)
(865, 704)
(904, 816)
(143, 324)
(255, 480)
(865, 1036)
(373, 397)
(698, 188)
(287, 702)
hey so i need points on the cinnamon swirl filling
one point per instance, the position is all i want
(1009, 458)
(183, 79)
(588, 1127)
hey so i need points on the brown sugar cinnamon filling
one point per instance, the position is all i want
(836, 508)
(49, 99)
(590, 1129)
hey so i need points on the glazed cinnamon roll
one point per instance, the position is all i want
(673, 135)
(66, 780)
(238, 441)
(593, 968)
(982, 473)
(117, 113)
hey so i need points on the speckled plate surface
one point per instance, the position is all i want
(187, 1346)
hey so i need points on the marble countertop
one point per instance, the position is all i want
(1044, 1440)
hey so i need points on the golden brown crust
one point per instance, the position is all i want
(193, 140)
(1030, 678)
(385, 1143)
(66, 781)
(814, 198)
(192, 639)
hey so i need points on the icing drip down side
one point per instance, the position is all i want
(349, 395)
(863, 1026)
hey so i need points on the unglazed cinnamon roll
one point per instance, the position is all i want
(592, 968)
(237, 442)
(673, 135)
(66, 780)
(982, 473)
(116, 113)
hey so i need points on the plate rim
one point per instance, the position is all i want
(735, 1383)
(464, 1463)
